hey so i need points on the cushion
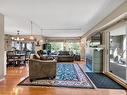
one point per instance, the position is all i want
(46, 58)
(43, 57)
(35, 57)
(64, 53)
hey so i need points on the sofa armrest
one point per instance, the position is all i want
(42, 60)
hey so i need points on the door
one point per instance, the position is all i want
(117, 52)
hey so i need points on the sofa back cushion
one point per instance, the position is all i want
(43, 57)
(46, 58)
(64, 53)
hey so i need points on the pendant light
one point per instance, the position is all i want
(41, 41)
(17, 38)
(31, 36)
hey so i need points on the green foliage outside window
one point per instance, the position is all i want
(75, 47)
(58, 46)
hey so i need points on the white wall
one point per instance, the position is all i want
(82, 49)
(1, 46)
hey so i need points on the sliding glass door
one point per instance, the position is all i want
(117, 52)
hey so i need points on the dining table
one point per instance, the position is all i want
(19, 58)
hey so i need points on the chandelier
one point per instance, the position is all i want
(17, 38)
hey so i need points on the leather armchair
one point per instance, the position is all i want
(41, 69)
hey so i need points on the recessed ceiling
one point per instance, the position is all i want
(57, 18)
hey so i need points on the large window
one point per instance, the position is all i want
(23, 46)
(56, 46)
(74, 47)
(29, 46)
(69, 46)
(117, 56)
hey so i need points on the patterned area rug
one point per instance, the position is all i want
(68, 75)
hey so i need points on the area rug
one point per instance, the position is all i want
(102, 81)
(67, 75)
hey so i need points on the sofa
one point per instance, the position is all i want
(39, 69)
(65, 56)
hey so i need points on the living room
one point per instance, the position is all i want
(63, 47)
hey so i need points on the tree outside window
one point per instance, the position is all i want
(56, 46)
(74, 47)
(70, 46)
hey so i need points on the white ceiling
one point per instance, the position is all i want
(58, 18)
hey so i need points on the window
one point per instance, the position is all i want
(23, 46)
(56, 46)
(117, 56)
(74, 47)
(68, 46)
(29, 46)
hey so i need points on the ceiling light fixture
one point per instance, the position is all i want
(31, 36)
(41, 41)
(18, 38)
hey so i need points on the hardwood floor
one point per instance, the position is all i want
(16, 74)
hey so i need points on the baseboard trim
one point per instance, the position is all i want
(116, 79)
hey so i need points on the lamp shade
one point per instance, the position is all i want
(31, 37)
(41, 41)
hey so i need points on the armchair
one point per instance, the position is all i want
(41, 69)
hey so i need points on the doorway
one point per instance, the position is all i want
(117, 52)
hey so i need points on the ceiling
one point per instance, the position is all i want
(57, 18)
